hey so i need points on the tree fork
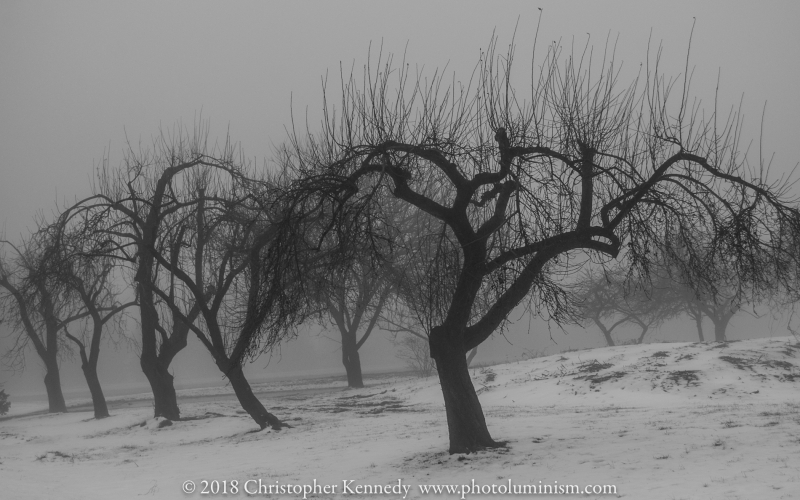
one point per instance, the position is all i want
(165, 400)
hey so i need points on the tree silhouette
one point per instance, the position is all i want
(529, 184)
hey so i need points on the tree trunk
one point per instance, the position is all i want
(98, 399)
(52, 382)
(465, 421)
(698, 319)
(89, 367)
(165, 400)
(155, 365)
(641, 337)
(249, 401)
(351, 361)
(720, 326)
(606, 333)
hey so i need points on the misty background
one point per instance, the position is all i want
(81, 80)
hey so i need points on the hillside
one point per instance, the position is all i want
(657, 421)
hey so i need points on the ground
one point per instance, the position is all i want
(657, 421)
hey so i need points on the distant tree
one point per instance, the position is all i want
(353, 294)
(5, 404)
(609, 301)
(529, 183)
(719, 306)
(416, 354)
(353, 299)
(87, 278)
(720, 295)
(36, 307)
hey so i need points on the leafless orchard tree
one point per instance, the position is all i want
(529, 183)
(88, 279)
(609, 301)
(719, 299)
(35, 306)
(352, 299)
(132, 214)
(354, 294)
(5, 404)
(227, 221)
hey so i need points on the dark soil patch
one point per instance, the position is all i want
(368, 407)
(739, 363)
(775, 363)
(593, 366)
(208, 414)
(690, 376)
(52, 456)
(660, 354)
(605, 378)
(722, 345)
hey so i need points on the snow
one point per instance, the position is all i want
(658, 421)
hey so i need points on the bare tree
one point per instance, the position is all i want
(133, 208)
(352, 293)
(609, 301)
(35, 306)
(4, 403)
(721, 296)
(530, 184)
(227, 221)
(353, 299)
(414, 351)
(87, 278)
(720, 306)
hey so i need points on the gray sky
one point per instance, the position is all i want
(77, 77)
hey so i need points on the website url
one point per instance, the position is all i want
(510, 488)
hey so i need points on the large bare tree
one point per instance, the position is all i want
(134, 207)
(531, 181)
(228, 220)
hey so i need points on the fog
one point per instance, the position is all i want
(81, 80)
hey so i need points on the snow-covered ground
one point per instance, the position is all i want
(657, 421)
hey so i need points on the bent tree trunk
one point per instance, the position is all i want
(155, 363)
(89, 368)
(248, 400)
(165, 400)
(98, 399)
(465, 421)
(52, 382)
(351, 361)
(641, 337)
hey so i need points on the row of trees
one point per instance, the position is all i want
(421, 204)
(609, 301)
